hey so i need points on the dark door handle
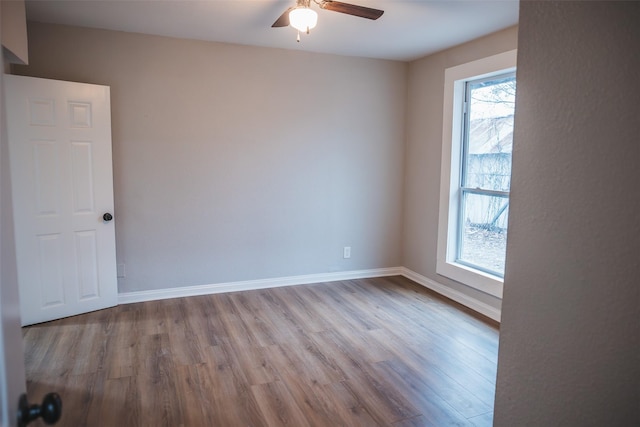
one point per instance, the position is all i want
(50, 410)
(107, 217)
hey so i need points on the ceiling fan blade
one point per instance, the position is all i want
(283, 21)
(351, 9)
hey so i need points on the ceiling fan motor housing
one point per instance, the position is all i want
(303, 18)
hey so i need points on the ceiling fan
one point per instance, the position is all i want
(303, 18)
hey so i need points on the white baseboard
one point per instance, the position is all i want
(248, 285)
(457, 296)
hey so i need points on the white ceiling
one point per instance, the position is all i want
(409, 29)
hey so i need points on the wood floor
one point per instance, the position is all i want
(370, 352)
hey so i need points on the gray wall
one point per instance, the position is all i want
(569, 339)
(424, 151)
(14, 31)
(235, 163)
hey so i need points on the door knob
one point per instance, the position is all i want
(107, 217)
(50, 410)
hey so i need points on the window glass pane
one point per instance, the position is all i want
(490, 107)
(483, 235)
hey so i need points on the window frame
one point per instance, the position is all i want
(453, 130)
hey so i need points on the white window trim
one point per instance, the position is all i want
(454, 81)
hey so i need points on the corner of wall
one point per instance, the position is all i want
(14, 31)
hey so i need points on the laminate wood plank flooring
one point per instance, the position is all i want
(368, 352)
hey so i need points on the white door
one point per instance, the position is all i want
(61, 177)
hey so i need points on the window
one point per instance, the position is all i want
(486, 172)
(476, 171)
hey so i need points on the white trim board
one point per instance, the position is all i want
(248, 285)
(457, 296)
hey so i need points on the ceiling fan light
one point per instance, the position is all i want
(303, 18)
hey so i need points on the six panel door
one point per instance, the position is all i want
(62, 185)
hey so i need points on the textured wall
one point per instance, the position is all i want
(236, 163)
(424, 153)
(569, 339)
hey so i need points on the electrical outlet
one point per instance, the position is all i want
(347, 252)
